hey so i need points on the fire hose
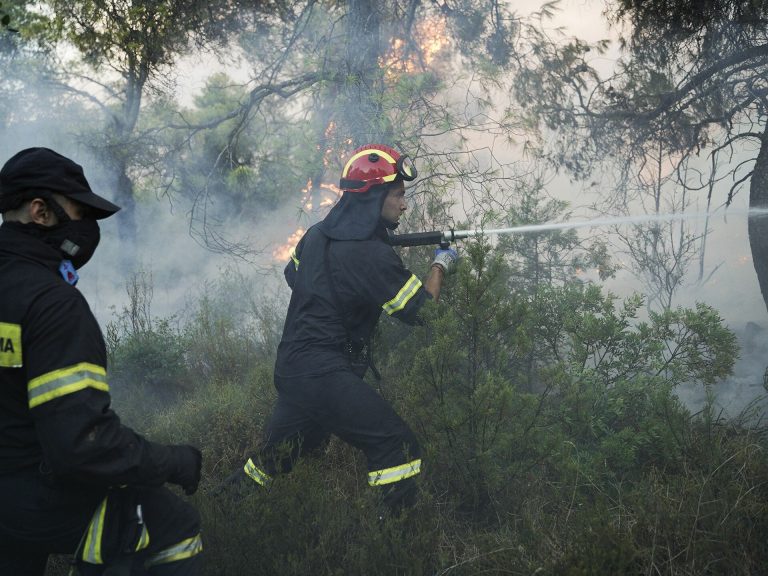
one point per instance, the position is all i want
(445, 237)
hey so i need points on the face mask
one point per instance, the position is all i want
(75, 239)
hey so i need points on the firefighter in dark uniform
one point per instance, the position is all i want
(73, 480)
(343, 274)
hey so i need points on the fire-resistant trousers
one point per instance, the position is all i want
(310, 409)
(39, 517)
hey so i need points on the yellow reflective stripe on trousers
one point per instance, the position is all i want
(143, 539)
(295, 259)
(258, 475)
(389, 475)
(181, 551)
(92, 546)
(407, 292)
(66, 381)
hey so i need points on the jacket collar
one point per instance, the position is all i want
(19, 240)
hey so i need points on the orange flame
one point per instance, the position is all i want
(432, 38)
(306, 196)
(329, 130)
(283, 252)
(333, 188)
(326, 192)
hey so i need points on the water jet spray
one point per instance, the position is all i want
(445, 237)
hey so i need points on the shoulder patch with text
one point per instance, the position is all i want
(10, 345)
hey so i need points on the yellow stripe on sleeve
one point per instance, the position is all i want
(66, 381)
(408, 291)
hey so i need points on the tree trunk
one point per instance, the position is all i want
(125, 199)
(359, 107)
(119, 156)
(758, 227)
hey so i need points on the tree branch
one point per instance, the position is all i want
(670, 99)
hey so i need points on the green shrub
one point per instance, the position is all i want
(578, 459)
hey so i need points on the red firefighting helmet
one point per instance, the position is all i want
(375, 164)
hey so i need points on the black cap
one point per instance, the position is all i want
(36, 171)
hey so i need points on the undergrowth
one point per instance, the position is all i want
(586, 464)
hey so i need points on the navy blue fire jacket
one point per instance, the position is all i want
(55, 410)
(368, 276)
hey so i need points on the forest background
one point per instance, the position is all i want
(589, 401)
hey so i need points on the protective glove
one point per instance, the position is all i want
(187, 461)
(446, 259)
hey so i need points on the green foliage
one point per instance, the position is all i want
(460, 379)
(658, 26)
(598, 547)
(317, 86)
(317, 521)
(146, 354)
(552, 257)
(138, 38)
(554, 442)
(27, 26)
(5, 18)
(154, 358)
(484, 31)
(597, 469)
(261, 168)
(230, 336)
(679, 96)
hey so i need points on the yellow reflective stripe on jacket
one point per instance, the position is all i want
(389, 475)
(92, 546)
(295, 259)
(407, 292)
(257, 474)
(66, 381)
(181, 551)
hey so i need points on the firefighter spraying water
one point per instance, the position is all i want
(343, 274)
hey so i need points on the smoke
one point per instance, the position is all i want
(181, 268)
(165, 248)
(743, 394)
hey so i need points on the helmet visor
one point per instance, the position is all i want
(406, 168)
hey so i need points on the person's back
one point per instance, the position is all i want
(355, 276)
(73, 479)
(312, 332)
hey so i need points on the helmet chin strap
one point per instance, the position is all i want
(389, 225)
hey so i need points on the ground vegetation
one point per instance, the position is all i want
(596, 469)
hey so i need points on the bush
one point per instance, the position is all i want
(578, 459)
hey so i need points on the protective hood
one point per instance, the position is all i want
(355, 216)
